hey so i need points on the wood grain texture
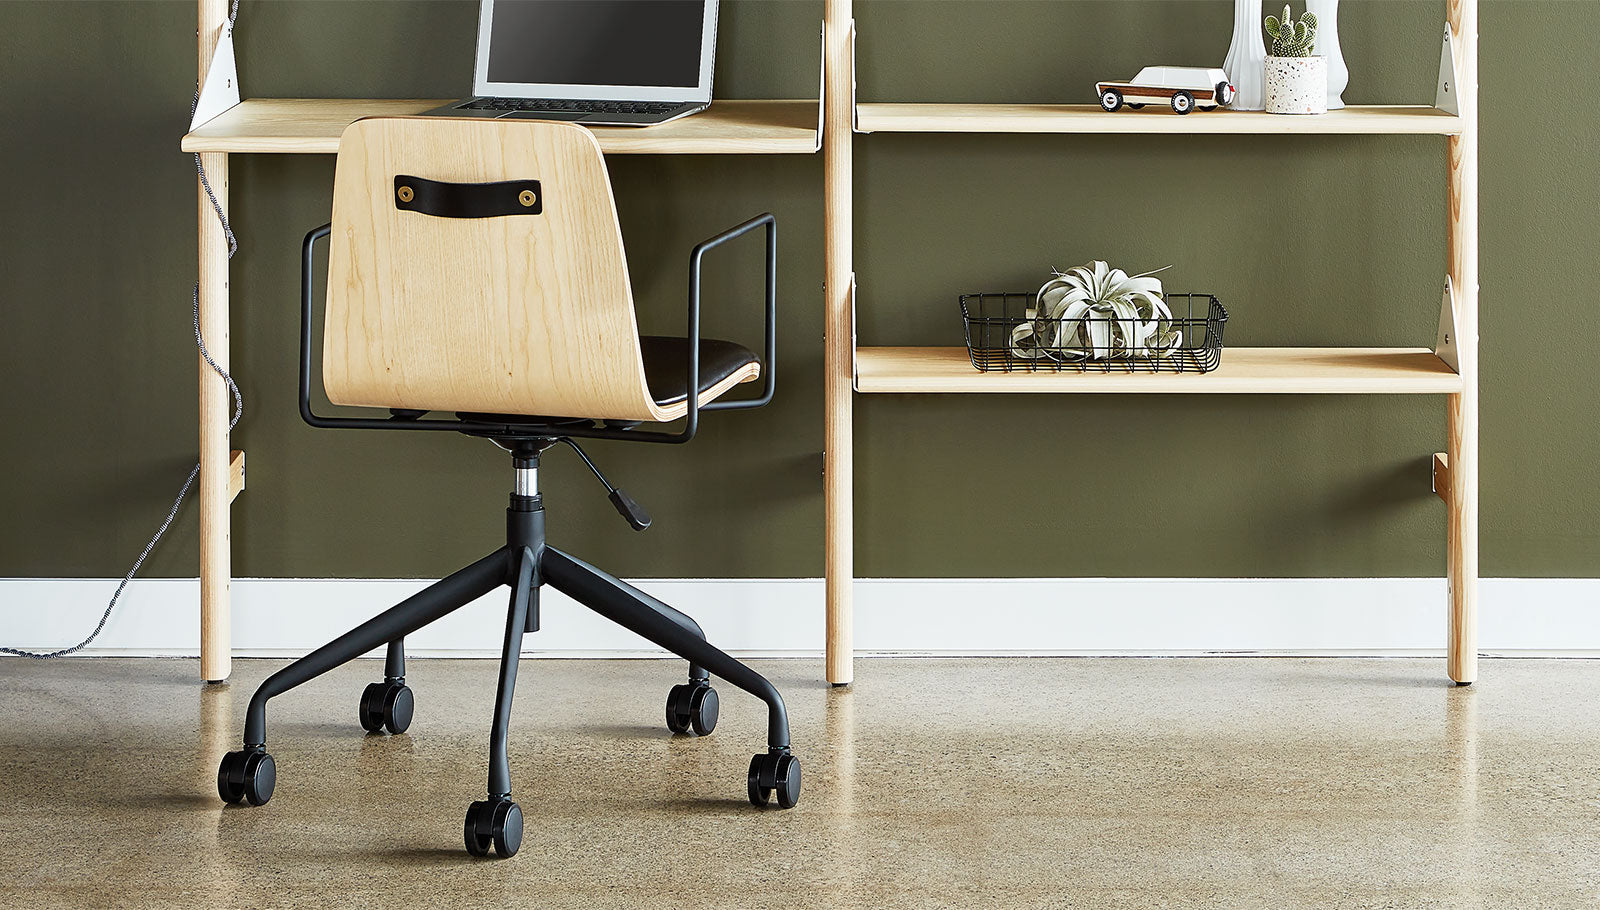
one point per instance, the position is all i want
(1243, 371)
(314, 125)
(1089, 118)
(521, 314)
(1441, 475)
(1149, 94)
(1461, 413)
(213, 497)
(838, 463)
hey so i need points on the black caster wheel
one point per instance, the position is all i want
(775, 772)
(247, 775)
(496, 823)
(387, 706)
(692, 705)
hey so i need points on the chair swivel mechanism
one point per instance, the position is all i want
(476, 270)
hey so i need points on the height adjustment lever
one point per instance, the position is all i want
(636, 515)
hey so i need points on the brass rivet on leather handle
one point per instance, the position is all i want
(405, 193)
(527, 198)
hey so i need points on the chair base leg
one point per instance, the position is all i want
(497, 820)
(638, 612)
(773, 773)
(439, 599)
(250, 774)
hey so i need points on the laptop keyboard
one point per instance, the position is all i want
(592, 107)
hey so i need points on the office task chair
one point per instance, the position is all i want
(476, 268)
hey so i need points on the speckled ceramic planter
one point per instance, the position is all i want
(1297, 85)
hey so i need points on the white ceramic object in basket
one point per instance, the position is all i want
(1297, 85)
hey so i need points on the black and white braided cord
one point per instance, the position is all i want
(238, 411)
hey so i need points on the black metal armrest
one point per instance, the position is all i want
(692, 417)
(768, 365)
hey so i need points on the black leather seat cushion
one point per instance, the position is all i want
(666, 365)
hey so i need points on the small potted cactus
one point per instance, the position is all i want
(1296, 81)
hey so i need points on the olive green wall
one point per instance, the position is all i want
(1308, 240)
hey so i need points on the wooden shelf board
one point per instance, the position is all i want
(1089, 118)
(1243, 371)
(313, 126)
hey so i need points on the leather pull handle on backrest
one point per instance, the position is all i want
(467, 200)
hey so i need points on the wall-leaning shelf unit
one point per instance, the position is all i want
(313, 126)
(1451, 370)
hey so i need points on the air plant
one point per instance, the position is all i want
(1291, 38)
(1095, 312)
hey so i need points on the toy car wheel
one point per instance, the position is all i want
(1136, 106)
(1111, 99)
(1182, 102)
(1225, 93)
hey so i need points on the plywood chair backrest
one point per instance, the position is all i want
(527, 314)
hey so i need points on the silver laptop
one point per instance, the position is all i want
(597, 62)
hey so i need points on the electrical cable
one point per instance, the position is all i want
(238, 411)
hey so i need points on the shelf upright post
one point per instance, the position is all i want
(838, 383)
(1462, 409)
(214, 495)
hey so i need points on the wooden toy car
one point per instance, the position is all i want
(1184, 87)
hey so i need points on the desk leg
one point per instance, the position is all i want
(1462, 410)
(1462, 539)
(216, 638)
(839, 337)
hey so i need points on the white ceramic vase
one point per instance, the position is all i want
(1297, 85)
(1327, 13)
(1247, 55)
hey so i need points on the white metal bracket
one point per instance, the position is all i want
(1445, 99)
(855, 125)
(822, 88)
(219, 91)
(855, 380)
(1445, 344)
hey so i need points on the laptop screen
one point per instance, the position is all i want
(597, 42)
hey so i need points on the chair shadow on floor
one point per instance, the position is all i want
(437, 856)
(626, 731)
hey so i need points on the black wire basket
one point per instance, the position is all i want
(1099, 345)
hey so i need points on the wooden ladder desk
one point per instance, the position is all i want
(313, 126)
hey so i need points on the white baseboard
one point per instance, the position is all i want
(783, 617)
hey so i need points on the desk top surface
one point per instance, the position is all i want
(313, 126)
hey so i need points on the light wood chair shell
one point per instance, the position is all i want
(523, 314)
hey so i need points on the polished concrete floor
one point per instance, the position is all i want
(1210, 782)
